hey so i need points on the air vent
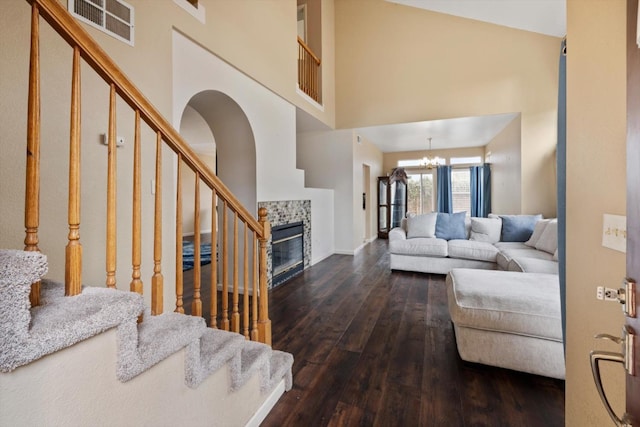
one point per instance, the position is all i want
(114, 17)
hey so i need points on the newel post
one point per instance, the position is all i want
(264, 323)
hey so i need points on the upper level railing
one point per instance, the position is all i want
(254, 321)
(308, 71)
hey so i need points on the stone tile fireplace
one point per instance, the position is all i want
(288, 212)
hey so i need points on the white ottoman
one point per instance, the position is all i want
(508, 319)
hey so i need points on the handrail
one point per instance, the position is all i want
(92, 53)
(86, 48)
(309, 51)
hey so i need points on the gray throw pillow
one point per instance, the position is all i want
(548, 242)
(518, 228)
(422, 225)
(538, 229)
(486, 229)
(451, 226)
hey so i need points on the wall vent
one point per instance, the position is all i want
(114, 17)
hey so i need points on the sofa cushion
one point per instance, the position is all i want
(420, 246)
(422, 225)
(533, 265)
(510, 245)
(470, 249)
(518, 228)
(486, 229)
(451, 226)
(502, 301)
(506, 255)
(548, 242)
(538, 229)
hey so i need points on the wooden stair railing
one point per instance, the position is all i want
(308, 67)
(254, 322)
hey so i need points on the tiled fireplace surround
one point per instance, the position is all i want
(285, 212)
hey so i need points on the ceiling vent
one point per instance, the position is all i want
(114, 17)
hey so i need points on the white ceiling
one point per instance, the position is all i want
(451, 133)
(540, 16)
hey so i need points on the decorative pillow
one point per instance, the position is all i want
(518, 228)
(548, 242)
(451, 226)
(486, 229)
(537, 232)
(422, 225)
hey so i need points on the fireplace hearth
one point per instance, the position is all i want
(287, 251)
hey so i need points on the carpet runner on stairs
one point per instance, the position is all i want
(28, 334)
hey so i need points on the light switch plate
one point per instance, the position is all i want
(614, 232)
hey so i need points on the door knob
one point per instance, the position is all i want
(625, 358)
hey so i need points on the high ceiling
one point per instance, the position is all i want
(540, 16)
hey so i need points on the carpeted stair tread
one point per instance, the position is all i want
(61, 322)
(280, 368)
(143, 345)
(214, 349)
(254, 357)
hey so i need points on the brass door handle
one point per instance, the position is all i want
(596, 357)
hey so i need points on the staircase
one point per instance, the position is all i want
(72, 354)
(108, 319)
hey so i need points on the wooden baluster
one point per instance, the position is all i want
(214, 259)
(264, 323)
(225, 263)
(179, 283)
(111, 192)
(73, 252)
(254, 297)
(196, 305)
(245, 294)
(157, 281)
(136, 218)
(235, 316)
(32, 184)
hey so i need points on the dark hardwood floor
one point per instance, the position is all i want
(376, 348)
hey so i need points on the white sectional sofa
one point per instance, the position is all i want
(524, 243)
(510, 319)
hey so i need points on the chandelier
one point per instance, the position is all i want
(431, 162)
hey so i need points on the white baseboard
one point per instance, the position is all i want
(341, 252)
(267, 406)
(356, 250)
(322, 258)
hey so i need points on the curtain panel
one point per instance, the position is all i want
(445, 197)
(480, 190)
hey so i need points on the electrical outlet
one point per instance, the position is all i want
(600, 293)
(610, 294)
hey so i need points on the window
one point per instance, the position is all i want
(409, 163)
(461, 190)
(475, 160)
(420, 197)
(113, 17)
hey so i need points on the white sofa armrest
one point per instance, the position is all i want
(397, 233)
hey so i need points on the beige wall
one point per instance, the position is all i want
(596, 134)
(503, 152)
(398, 64)
(365, 153)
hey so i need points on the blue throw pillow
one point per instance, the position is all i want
(451, 226)
(518, 228)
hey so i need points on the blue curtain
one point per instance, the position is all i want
(445, 199)
(561, 159)
(480, 190)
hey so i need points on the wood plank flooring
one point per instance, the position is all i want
(376, 348)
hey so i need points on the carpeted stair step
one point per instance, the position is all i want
(60, 322)
(141, 346)
(280, 368)
(254, 357)
(205, 356)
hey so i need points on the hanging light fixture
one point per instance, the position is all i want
(431, 162)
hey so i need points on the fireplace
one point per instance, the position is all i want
(287, 251)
